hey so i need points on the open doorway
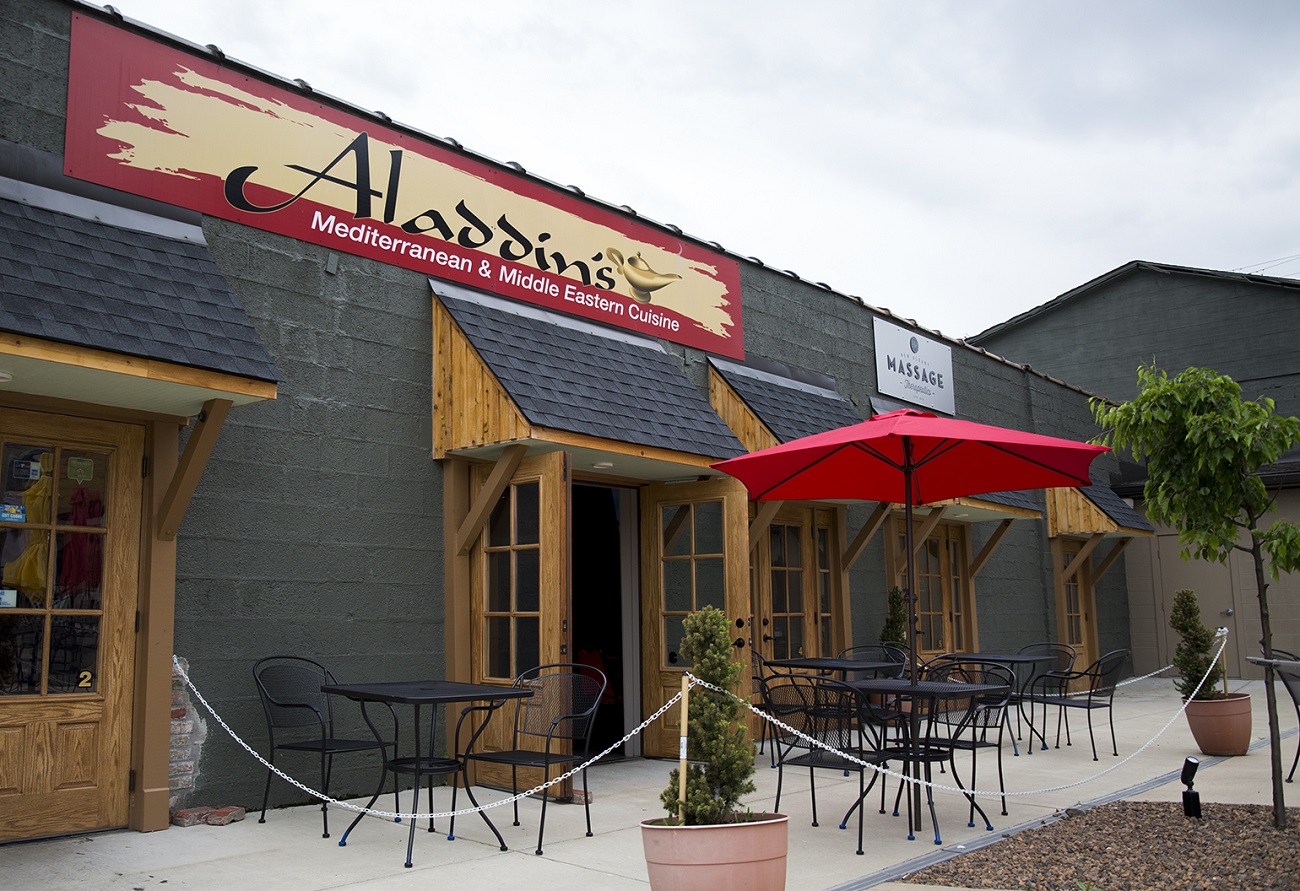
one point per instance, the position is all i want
(604, 613)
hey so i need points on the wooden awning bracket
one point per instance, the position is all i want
(1084, 553)
(1101, 568)
(767, 511)
(866, 534)
(487, 497)
(989, 547)
(198, 449)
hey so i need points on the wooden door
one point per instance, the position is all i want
(69, 544)
(520, 579)
(694, 553)
(792, 572)
(1075, 603)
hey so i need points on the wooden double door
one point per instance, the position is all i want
(693, 553)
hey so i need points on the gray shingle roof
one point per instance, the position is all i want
(1011, 499)
(81, 281)
(570, 375)
(790, 408)
(1115, 507)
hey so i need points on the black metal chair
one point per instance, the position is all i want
(983, 717)
(290, 690)
(831, 714)
(557, 719)
(1053, 689)
(935, 730)
(788, 703)
(1053, 657)
(759, 673)
(1290, 678)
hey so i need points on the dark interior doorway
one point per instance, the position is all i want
(597, 602)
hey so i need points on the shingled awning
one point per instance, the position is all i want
(110, 306)
(508, 372)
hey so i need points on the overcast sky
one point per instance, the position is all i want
(957, 162)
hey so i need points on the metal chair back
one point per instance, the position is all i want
(563, 705)
(290, 690)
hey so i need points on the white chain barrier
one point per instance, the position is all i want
(694, 681)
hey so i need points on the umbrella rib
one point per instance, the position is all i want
(1043, 464)
(797, 472)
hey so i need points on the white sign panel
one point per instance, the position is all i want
(914, 368)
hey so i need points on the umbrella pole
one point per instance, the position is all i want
(913, 632)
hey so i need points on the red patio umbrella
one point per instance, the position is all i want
(911, 457)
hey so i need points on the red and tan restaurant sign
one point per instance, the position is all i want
(154, 119)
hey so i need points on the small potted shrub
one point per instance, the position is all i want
(710, 840)
(895, 629)
(1219, 720)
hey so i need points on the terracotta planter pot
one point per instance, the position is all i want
(724, 857)
(1221, 726)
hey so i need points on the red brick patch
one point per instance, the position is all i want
(224, 816)
(190, 816)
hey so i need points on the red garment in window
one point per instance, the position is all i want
(81, 563)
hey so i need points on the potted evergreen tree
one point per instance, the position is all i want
(709, 840)
(895, 628)
(1219, 720)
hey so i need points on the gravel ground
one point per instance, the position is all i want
(1137, 846)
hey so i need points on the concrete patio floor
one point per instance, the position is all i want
(288, 852)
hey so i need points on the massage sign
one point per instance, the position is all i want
(156, 120)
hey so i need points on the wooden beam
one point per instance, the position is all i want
(865, 534)
(198, 449)
(762, 519)
(487, 497)
(22, 346)
(1084, 553)
(457, 600)
(1100, 569)
(989, 547)
(921, 535)
(931, 521)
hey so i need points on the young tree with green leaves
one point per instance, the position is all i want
(1204, 446)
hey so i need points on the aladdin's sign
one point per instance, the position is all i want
(148, 118)
(913, 368)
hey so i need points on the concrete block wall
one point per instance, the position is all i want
(316, 529)
(1098, 339)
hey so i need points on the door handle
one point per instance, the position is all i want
(1228, 611)
(767, 638)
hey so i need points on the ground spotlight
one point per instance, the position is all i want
(1191, 800)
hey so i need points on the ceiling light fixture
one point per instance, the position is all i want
(602, 465)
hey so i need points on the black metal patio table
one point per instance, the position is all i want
(418, 694)
(914, 751)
